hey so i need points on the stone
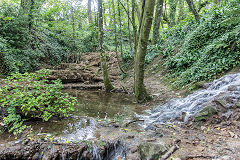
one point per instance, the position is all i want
(151, 150)
(205, 113)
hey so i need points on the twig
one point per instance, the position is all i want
(133, 121)
(169, 152)
(193, 157)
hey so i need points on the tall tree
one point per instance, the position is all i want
(172, 12)
(73, 19)
(145, 27)
(134, 26)
(115, 26)
(157, 21)
(90, 11)
(192, 8)
(129, 32)
(115, 36)
(107, 83)
(28, 7)
(120, 28)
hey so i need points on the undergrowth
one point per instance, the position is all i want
(29, 96)
(194, 52)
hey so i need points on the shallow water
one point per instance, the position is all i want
(81, 125)
(99, 104)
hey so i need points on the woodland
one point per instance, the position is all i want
(157, 71)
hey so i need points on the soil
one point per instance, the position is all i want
(207, 140)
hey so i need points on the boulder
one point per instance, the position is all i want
(205, 113)
(151, 150)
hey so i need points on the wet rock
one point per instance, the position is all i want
(222, 105)
(51, 151)
(226, 115)
(234, 88)
(151, 150)
(181, 117)
(202, 84)
(205, 113)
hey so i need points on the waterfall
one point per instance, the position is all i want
(193, 103)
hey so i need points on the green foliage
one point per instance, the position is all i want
(200, 51)
(29, 96)
(49, 41)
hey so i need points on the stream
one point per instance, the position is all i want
(82, 124)
(226, 89)
(94, 106)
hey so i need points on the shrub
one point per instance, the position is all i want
(29, 96)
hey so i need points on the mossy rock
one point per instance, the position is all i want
(205, 113)
(151, 150)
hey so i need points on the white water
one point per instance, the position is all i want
(193, 103)
(83, 129)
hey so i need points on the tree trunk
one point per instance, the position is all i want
(115, 36)
(146, 23)
(172, 13)
(134, 26)
(120, 29)
(129, 32)
(192, 8)
(31, 18)
(165, 13)
(90, 11)
(28, 7)
(115, 26)
(104, 16)
(181, 10)
(73, 22)
(157, 21)
(107, 83)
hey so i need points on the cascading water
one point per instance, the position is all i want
(83, 129)
(193, 103)
(116, 151)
